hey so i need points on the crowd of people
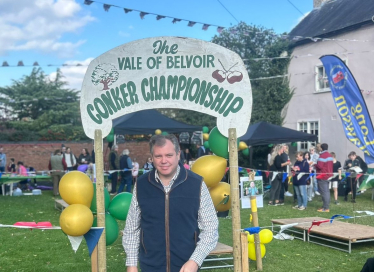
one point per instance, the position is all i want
(327, 175)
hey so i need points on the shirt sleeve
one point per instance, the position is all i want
(131, 233)
(208, 225)
(129, 163)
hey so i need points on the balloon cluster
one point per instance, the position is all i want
(213, 167)
(77, 190)
(115, 209)
(110, 137)
(266, 236)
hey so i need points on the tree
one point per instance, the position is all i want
(106, 74)
(41, 109)
(260, 49)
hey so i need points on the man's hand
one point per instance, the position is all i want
(189, 266)
(132, 269)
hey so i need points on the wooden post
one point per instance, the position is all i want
(256, 235)
(94, 264)
(234, 195)
(100, 198)
(244, 245)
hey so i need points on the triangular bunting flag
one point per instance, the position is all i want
(285, 175)
(220, 29)
(191, 23)
(267, 174)
(106, 7)
(142, 14)
(92, 238)
(127, 10)
(88, 2)
(75, 242)
(175, 20)
(205, 26)
(274, 175)
(159, 17)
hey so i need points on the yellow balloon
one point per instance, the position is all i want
(266, 236)
(206, 136)
(242, 146)
(76, 220)
(76, 188)
(251, 238)
(158, 131)
(218, 194)
(211, 168)
(252, 251)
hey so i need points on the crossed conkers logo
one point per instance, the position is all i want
(231, 76)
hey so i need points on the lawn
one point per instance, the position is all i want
(50, 250)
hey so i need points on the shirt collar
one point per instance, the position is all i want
(172, 180)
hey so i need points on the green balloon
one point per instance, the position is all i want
(110, 138)
(106, 199)
(245, 152)
(206, 144)
(293, 144)
(111, 131)
(111, 229)
(119, 206)
(270, 145)
(164, 133)
(219, 144)
(205, 129)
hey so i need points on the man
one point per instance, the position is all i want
(58, 166)
(114, 165)
(125, 164)
(354, 161)
(2, 160)
(172, 210)
(324, 169)
(285, 165)
(200, 151)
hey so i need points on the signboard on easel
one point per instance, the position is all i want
(166, 72)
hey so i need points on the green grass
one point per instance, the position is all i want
(50, 250)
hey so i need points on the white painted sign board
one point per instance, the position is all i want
(167, 72)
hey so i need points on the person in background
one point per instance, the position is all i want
(12, 166)
(286, 162)
(21, 169)
(354, 161)
(200, 151)
(276, 166)
(334, 182)
(148, 166)
(186, 165)
(3, 163)
(125, 164)
(70, 159)
(135, 171)
(314, 158)
(301, 166)
(84, 157)
(324, 169)
(173, 207)
(252, 190)
(309, 187)
(58, 167)
(187, 155)
(114, 165)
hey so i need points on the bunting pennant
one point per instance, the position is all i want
(206, 26)
(142, 14)
(339, 215)
(258, 173)
(175, 20)
(267, 174)
(358, 176)
(92, 238)
(127, 10)
(220, 29)
(106, 7)
(159, 17)
(190, 23)
(285, 175)
(88, 2)
(317, 223)
(253, 230)
(75, 242)
(274, 175)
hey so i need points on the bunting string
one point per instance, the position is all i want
(142, 15)
(205, 26)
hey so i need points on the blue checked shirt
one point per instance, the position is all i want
(207, 221)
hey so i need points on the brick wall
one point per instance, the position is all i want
(37, 155)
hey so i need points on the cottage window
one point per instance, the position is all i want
(311, 127)
(322, 83)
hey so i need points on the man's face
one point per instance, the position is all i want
(285, 148)
(165, 159)
(311, 151)
(1, 150)
(63, 150)
(352, 157)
